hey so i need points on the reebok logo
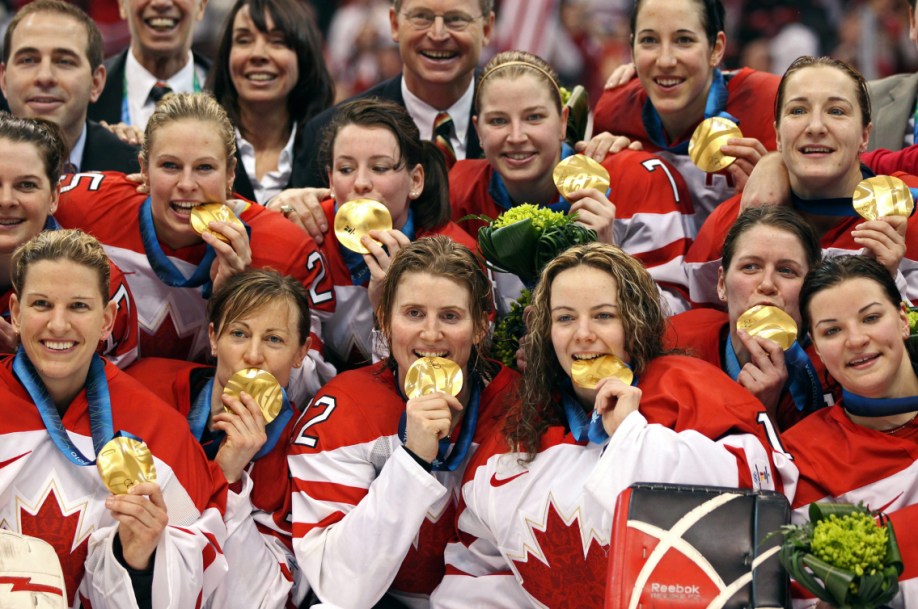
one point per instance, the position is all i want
(674, 589)
(496, 482)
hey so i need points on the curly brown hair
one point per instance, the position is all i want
(642, 318)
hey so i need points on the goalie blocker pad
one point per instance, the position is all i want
(689, 547)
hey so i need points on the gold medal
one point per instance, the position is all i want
(709, 136)
(432, 374)
(883, 196)
(577, 172)
(357, 218)
(202, 215)
(124, 462)
(262, 386)
(588, 372)
(769, 322)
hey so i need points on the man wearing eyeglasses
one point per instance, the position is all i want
(440, 43)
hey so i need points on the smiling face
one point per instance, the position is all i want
(585, 319)
(431, 317)
(161, 28)
(820, 132)
(522, 141)
(860, 336)
(187, 167)
(267, 338)
(48, 73)
(438, 57)
(61, 323)
(366, 164)
(262, 65)
(675, 61)
(26, 195)
(768, 267)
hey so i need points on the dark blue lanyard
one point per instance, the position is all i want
(200, 413)
(584, 428)
(100, 406)
(716, 105)
(802, 380)
(360, 272)
(877, 407)
(167, 272)
(450, 462)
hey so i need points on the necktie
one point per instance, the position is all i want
(159, 90)
(443, 130)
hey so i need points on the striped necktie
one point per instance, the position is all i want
(159, 90)
(443, 131)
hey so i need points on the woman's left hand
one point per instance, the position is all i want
(884, 239)
(245, 434)
(748, 151)
(614, 401)
(604, 144)
(379, 259)
(765, 375)
(232, 257)
(142, 518)
(595, 211)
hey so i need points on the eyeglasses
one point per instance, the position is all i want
(454, 21)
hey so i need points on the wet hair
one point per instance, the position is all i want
(314, 90)
(513, 64)
(440, 256)
(43, 135)
(431, 209)
(838, 269)
(94, 45)
(862, 95)
(711, 14)
(252, 289)
(643, 320)
(486, 6)
(782, 218)
(67, 244)
(202, 107)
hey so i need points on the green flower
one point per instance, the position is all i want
(523, 239)
(509, 330)
(843, 556)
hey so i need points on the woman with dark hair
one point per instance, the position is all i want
(372, 149)
(536, 501)
(32, 152)
(375, 474)
(676, 46)
(767, 252)
(822, 122)
(271, 77)
(865, 448)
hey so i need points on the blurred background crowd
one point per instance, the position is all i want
(583, 39)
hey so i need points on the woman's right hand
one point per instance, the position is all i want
(884, 240)
(303, 207)
(382, 245)
(621, 75)
(429, 420)
(232, 257)
(765, 375)
(9, 340)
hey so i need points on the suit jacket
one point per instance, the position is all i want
(893, 101)
(388, 89)
(108, 106)
(299, 177)
(105, 152)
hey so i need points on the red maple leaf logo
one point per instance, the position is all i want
(570, 579)
(423, 567)
(50, 523)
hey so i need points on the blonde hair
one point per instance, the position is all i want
(513, 64)
(202, 107)
(68, 244)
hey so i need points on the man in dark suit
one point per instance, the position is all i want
(52, 69)
(440, 44)
(159, 60)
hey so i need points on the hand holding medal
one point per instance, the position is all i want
(771, 323)
(616, 393)
(231, 246)
(886, 203)
(578, 173)
(431, 385)
(709, 137)
(357, 218)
